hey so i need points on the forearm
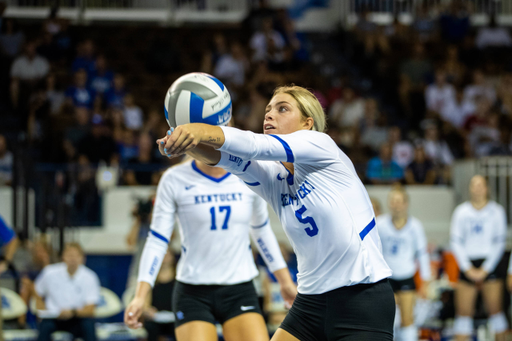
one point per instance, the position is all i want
(143, 290)
(461, 256)
(87, 311)
(206, 154)
(283, 276)
(10, 249)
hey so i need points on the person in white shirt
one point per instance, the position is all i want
(348, 111)
(133, 115)
(216, 214)
(267, 44)
(404, 246)
(324, 208)
(493, 36)
(440, 94)
(477, 238)
(479, 88)
(68, 293)
(26, 70)
(231, 68)
(458, 111)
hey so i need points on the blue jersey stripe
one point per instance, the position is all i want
(252, 183)
(367, 229)
(159, 236)
(288, 150)
(260, 226)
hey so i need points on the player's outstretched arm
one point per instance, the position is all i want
(134, 310)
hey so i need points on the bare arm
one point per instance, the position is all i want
(10, 249)
(136, 307)
(86, 311)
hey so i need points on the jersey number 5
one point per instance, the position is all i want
(221, 209)
(311, 231)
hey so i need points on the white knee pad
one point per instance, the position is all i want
(463, 325)
(409, 333)
(498, 323)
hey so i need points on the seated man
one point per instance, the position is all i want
(70, 292)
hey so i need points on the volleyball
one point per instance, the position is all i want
(197, 98)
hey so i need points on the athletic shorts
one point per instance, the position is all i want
(478, 263)
(363, 312)
(213, 303)
(402, 284)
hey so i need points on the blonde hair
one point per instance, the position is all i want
(400, 190)
(308, 105)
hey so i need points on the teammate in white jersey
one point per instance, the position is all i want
(324, 208)
(216, 214)
(478, 234)
(404, 246)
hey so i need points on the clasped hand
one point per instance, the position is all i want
(179, 140)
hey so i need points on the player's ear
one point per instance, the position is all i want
(308, 123)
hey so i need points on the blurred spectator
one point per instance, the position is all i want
(145, 157)
(454, 69)
(347, 111)
(79, 94)
(100, 79)
(133, 116)
(11, 39)
(86, 203)
(439, 95)
(81, 127)
(115, 95)
(455, 23)
(377, 207)
(438, 151)
(85, 58)
(421, 171)
(52, 24)
(484, 137)
(493, 36)
(54, 95)
(479, 116)
(231, 68)
(479, 88)
(158, 316)
(97, 145)
(6, 162)
(504, 147)
(403, 151)
(267, 43)
(382, 169)
(456, 112)
(413, 73)
(70, 292)
(505, 94)
(26, 71)
(8, 243)
(424, 24)
(372, 129)
(128, 148)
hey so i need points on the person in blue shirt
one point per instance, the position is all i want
(79, 94)
(85, 59)
(382, 169)
(100, 80)
(115, 96)
(8, 245)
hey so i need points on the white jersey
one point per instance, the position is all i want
(323, 207)
(214, 216)
(478, 234)
(404, 248)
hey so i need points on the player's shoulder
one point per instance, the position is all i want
(462, 208)
(493, 205)
(53, 269)
(177, 170)
(313, 135)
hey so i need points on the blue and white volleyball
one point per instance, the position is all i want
(197, 98)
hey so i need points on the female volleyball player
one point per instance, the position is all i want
(324, 208)
(403, 245)
(216, 214)
(478, 233)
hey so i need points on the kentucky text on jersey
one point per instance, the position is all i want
(304, 189)
(201, 199)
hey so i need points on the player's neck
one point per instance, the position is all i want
(216, 172)
(289, 166)
(479, 204)
(399, 221)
